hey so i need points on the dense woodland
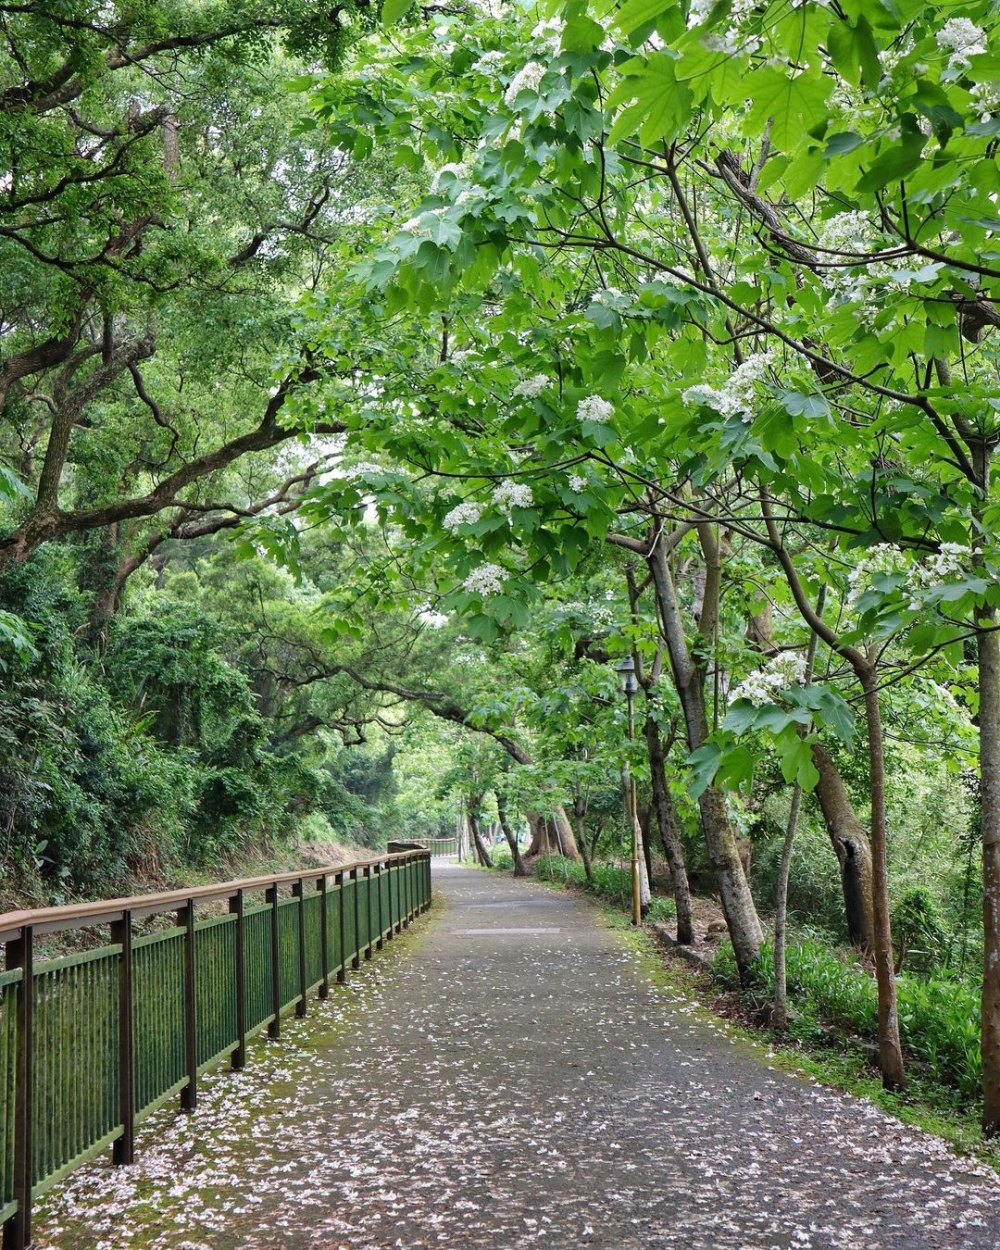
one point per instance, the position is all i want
(372, 384)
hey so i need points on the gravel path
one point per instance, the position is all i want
(510, 1076)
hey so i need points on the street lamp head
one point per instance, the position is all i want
(626, 671)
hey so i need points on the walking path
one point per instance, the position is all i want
(511, 1076)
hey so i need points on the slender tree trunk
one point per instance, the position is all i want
(734, 891)
(852, 848)
(890, 1051)
(669, 826)
(779, 1015)
(579, 813)
(989, 764)
(510, 835)
(482, 853)
(645, 821)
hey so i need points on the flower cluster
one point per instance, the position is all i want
(738, 395)
(987, 98)
(784, 671)
(490, 61)
(610, 297)
(369, 468)
(531, 387)
(963, 39)
(951, 560)
(457, 170)
(882, 558)
(512, 495)
(485, 580)
(417, 226)
(732, 39)
(578, 483)
(467, 513)
(856, 237)
(527, 79)
(847, 232)
(551, 33)
(595, 409)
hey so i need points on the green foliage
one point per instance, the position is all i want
(939, 1018)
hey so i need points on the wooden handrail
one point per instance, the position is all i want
(109, 910)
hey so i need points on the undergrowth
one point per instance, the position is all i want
(939, 1016)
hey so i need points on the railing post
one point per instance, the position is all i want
(324, 933)
(274, 1028)
(237, 907)
(342, 970)
(123, 1151)
(189, 1094)
(356, 958)
(367, 876)
(299, 890)
(20, 954)
(381, 919)
(408, 905)
(399, 897)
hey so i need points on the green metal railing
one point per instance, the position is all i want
(92, 1044)
(440, 848)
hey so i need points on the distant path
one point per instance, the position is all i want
(533, 1086)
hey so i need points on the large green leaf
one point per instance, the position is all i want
(793, 105)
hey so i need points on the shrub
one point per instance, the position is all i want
(939, 1018)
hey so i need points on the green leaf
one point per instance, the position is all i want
(854, 52)
(702, 767)
(393, 10)
(662, 107)
(799, 405)
(894, 163)
(638, 13)
(795, 106)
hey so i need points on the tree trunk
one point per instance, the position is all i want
(734, 891)
(579, 813)
(779, 1013)
(510, 835)
(551, 837)
(482, 854)
(645, 820)
(890, 1053)
(989, 764)
(669, 826)
(851, 846)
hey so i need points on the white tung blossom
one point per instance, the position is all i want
(486, 580)
(457, 170)
(949, 562)
(578, 483)
(781, 673)
(490, 62)
(963, 39)
(610, 297)
(527, 79)
(739, 394)
(467, 513)
(882, 558)
(595, 409)
(987, 98)
(530, 388)
(512, 495)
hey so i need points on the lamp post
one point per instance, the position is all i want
(626, 671)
